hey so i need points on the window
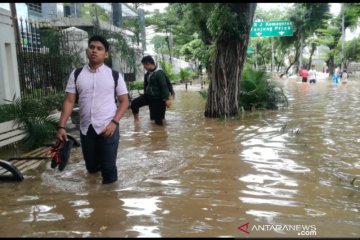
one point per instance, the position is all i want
(35, 7)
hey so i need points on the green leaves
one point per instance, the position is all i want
(193, 50)
(352, 50)
(352, 14)
(33, 116)
(168, 69)
(136, 85)
(226, 22)
(258, 91)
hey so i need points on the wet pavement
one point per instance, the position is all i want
(287, 173)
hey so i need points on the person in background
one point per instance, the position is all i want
(99, 113)
(344, 77)
(156, 93)
(335, 77)
(304, 74)
(312, 74)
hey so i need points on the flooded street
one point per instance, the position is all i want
(279, 171)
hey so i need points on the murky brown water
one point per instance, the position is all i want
(199, 177)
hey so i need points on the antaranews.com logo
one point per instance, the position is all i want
(299, 229)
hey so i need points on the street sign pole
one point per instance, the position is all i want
(272, 54)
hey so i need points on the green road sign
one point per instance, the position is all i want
(280, 28)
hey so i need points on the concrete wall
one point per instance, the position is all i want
(9, 77)
(177, 64)
(77, 42)
(120, 62)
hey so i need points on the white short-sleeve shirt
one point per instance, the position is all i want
(96, 96)
(312, 74)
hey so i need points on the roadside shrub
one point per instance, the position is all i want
(136, 85)
(33, 116)
(258, 91)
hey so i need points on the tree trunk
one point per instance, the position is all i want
(224, 88)
(287, 69)
(168, 45)
(297, 53)
(312, 51)
(301, 50)
(263, 60)
(310, 59)
(331, 67)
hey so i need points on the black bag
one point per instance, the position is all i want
(60, 152)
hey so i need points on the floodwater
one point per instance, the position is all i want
(284, 173)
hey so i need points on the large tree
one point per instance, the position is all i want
(330, 37)
(306, 18)
(330, 34)
(164, 22)
(268, 51)
(352, 51)
(230, 24)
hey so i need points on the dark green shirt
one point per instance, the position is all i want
(155, 84)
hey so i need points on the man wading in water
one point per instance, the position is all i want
(156, 92)
(95, 85)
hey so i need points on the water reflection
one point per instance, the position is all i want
(39, 213)
(140, 207)
(198, 177)
(143, 210)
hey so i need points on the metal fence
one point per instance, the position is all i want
(43, 66)
(47, 55)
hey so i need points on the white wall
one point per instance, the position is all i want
(77, 40)
(9, 77)
(177, 64)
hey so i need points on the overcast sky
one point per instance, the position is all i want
(334, 7)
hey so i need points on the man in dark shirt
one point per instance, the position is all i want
(156, 92)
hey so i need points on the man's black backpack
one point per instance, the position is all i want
(169, 84)
(115, 75)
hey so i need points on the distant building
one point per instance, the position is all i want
(73, 14)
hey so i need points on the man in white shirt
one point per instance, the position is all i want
(344, 77)
(312, 74)
(99, 114)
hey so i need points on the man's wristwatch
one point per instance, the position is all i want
(59, 127)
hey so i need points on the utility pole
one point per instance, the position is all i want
(97, 25)
(272, 54)
(141, 13)
(342, 36)
(171, 42)
(301, 50)
(117, 14)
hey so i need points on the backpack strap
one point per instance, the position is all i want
(76, 74)
(168, 83)
(115, 75)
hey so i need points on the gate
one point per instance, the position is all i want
(44, 66)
